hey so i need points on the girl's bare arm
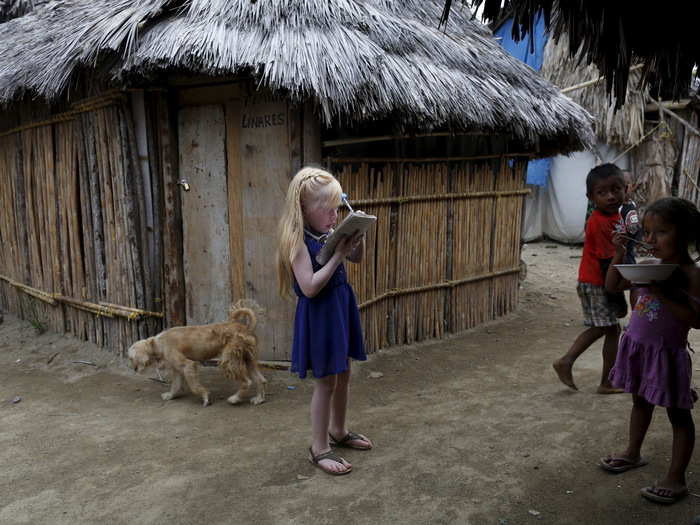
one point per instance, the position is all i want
(312, 282)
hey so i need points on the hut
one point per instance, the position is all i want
(659, 147)
(613, 37)
(145, 149)
(10, 9)
(556, 207)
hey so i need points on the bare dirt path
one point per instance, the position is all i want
(473, 429)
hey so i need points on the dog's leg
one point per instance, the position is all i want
(242, 392)
(175, 386)
(260, 383)
(191, 376)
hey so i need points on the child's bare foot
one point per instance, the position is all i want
(604, 389)
(563, 370)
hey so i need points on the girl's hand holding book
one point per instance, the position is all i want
(348, 245)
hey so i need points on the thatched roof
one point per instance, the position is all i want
(358, 59)
(10, 9)
(614, 36)
(622, 128)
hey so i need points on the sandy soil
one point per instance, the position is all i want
(472, 429)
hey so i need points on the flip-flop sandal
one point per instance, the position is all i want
(315, 460)
(651, 494)
(626, 464)
(345, 441)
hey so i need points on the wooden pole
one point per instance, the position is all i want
(174, 274)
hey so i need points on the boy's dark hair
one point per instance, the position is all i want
(601, 172)
(683, 214)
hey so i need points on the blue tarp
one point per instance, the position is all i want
(537, 170)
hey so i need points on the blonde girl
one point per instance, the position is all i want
(327, 331)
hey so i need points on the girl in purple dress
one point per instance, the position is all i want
(653, 362)
(327, 331)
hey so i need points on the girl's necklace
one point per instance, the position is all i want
(320, 237)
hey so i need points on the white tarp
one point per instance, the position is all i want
(558, 210)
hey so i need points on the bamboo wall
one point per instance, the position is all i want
(445, 254)
(71, 214)
(689, 166)
(668, 161)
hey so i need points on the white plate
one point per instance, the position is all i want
(646, 273)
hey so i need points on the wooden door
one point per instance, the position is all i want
(255, 139)
(205, 221)
(268, 155)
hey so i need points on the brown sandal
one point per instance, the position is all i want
(345, 441)
(315, 460)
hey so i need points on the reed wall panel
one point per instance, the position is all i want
(689, 166)
(71, 216)
(445, 254)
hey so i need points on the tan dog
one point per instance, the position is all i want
(182, 348)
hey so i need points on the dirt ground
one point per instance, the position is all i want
(469, 430)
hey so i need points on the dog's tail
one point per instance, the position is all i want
(239, 356)
(243, 315)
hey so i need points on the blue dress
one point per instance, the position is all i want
(327, 328)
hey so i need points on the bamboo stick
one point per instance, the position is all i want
(663, 109)
(90, 235)
(593, 82)
(86, 305)
(401, 160)
(61, 117)
(95, 192)
(384, 138)
(135, 188)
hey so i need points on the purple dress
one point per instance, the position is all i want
(327, 328)
(653, 361)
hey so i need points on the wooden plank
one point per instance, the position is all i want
(265, 174)
(235, 195)
(311, 138)
(155, 172)
(182, 81)
(296, 137)
(204, 96)
(202, 162)
(173, 273)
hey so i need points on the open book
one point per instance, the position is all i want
(355, 222)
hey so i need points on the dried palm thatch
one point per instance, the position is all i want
(621, 128)
(10, 9)
(613, 36)
(357, 59)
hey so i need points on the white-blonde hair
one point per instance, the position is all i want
(310, 187)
